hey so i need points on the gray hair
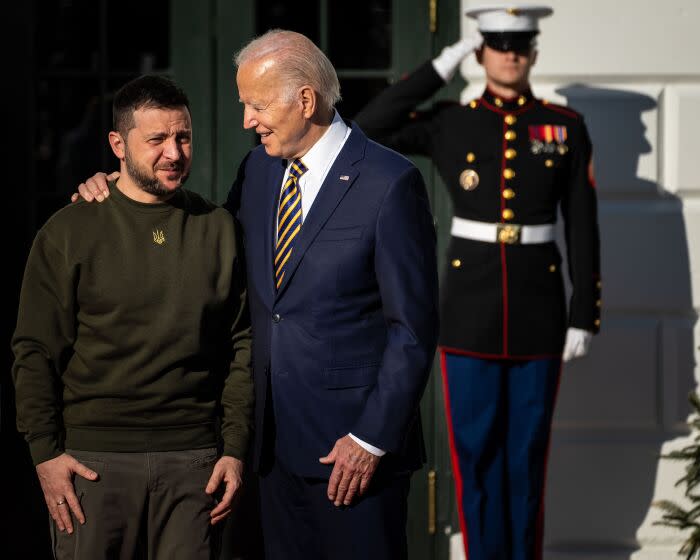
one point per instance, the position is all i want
(300, 63)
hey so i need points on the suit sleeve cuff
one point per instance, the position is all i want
(373, 450)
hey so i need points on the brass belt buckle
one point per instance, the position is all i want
(508, 233)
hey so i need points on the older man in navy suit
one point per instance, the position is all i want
(342, 281)
(343, 293)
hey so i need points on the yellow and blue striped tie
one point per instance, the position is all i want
(288, 219)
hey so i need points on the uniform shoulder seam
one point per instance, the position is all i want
(568, 111)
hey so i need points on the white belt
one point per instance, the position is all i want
(502, 233)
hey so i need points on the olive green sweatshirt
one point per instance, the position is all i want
(133, 332)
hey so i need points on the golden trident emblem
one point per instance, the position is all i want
(158, 236)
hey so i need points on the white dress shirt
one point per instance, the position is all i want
(318, 161)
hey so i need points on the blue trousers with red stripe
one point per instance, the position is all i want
(499, 415)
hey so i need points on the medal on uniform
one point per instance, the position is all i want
(548, 138)
(469, 179)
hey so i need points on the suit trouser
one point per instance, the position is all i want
(143, 505)
(301, 523)
(499, 415)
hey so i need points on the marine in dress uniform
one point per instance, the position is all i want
(508, 161)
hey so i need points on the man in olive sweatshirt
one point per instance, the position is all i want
(132, 351)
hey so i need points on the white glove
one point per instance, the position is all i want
(448, 60)
(576, 344)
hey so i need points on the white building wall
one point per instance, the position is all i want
(632, 68)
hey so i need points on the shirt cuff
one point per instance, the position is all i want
(373, 450)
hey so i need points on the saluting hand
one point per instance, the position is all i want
(449, 59)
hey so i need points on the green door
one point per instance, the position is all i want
(371, 43)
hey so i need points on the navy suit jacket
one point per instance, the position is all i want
(346, 343)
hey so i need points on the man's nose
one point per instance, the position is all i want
(172, 150)
(249, 119)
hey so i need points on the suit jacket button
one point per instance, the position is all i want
(276, 318)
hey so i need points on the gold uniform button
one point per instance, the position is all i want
(522, 100)
(596, 322)
(473, 103)
(549, 163)
(498, 102)
(511, 153)
(599, 284)
(456, 263)
(508, 173)
(471, 157)
(510, 119)
(598, 303)
(508, 194)
(508, 214)
(552, 268)
(510, 135)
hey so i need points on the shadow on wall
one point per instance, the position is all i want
(619, 404)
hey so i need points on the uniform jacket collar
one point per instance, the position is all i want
(507, 104)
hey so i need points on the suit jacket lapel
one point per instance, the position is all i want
(339, 179)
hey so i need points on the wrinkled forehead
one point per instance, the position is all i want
(172, 119)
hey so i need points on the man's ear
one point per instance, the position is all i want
(533, 57)
(308, 100)
(118, 144)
